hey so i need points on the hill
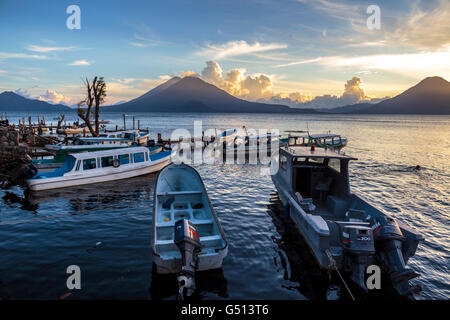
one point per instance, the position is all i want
(10, 101)
(191, 94)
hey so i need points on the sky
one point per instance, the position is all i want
(310, 52)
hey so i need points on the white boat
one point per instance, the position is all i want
(227, 135)
(253, 143)
(181, 194)
(100, 166)
(130, 137)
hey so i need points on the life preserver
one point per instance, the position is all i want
(116, 163)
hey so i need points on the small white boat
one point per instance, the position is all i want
(130, 137)
(180, 194)
(100, 166)
(227, 135)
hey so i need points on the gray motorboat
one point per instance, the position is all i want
(343, 231)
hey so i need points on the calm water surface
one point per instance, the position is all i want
(106, 229)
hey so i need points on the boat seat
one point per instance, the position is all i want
(324, 187)
(355, 215)
(336, 206)
(305, 203)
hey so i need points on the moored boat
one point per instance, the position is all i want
(343, 230)
(100, 166)
(131, 137)
(181, 199)
(227, 135)
(62, 152)
(326, 140)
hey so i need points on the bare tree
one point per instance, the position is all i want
(96, 94)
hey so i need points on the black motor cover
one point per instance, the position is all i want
(188, 242)
(389, 240)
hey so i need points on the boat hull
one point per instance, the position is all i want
(168, 261)
(64, 182)
(205, 262)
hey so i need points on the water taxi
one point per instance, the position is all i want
(100, 166)
(131, 137)
(62, 151)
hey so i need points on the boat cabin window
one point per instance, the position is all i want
(311, 161)
(89, 164)
(107, 161)
(124, 158)
(146, 156)
(335, 164)
(78, 165)
(139, 157)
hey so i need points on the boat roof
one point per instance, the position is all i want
(102, 139)
(94, 146)
(318, 153)
(316, 136)
(105, 153)
(324, 135)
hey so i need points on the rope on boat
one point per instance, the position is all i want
(333, 265)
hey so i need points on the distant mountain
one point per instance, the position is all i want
(353, 108)
(10, 101)
(429, 96)
(191, 94)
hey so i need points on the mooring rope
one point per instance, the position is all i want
(333, 265)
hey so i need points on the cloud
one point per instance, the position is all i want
(251, 87)
(416, 65)
(143, 42)
(23, 92)
(429, 30)
(353, 92)
(237, 48)
(300, 62)
(189, 74)
(9, 55)
(81, 62)
(47, 49)
(54, 97)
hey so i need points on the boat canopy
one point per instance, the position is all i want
(317, 153)
(95, 154)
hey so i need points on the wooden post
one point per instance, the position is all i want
(133, 122)
(139, 124)
(117, 127)
(2, 116)
(43, 119)
(124, 122)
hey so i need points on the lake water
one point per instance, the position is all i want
(106, 229)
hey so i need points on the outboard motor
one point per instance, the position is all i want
(358, 245)
(188, 242)
(389, 238)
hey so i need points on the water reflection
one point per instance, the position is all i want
(165, 286)
(111, 195)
